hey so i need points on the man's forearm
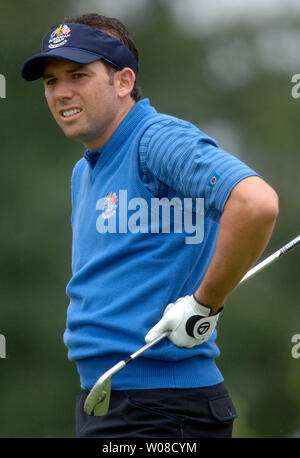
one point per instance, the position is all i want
(245, 229)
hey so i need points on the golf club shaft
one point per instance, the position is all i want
(251, 273)
(270, 259)
(145, 347)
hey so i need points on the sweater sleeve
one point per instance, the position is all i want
(177, 155)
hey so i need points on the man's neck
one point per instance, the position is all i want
(100, 142)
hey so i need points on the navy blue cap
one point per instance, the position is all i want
(82, 44)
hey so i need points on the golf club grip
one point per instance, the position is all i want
(291, 244)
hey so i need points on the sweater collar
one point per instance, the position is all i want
(140, 110)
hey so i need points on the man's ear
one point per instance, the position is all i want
(125, 80)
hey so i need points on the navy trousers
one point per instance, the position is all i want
(161, 413)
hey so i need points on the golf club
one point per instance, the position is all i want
(97, 402)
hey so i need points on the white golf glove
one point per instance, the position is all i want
(190, 322)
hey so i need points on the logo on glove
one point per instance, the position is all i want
(203, 328)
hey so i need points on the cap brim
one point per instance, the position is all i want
(33, 68)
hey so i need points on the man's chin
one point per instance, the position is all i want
(76, 136)
(88, 140)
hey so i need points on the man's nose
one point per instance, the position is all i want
(63, 90)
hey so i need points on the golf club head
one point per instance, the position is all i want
(97, 402)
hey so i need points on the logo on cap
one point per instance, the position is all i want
(59, 36)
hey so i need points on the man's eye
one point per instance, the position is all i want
(51, 82)
(78, 75)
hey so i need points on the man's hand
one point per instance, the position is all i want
(190, 322)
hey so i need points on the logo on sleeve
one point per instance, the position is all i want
(213, 180)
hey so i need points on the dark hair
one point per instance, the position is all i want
(115, 28)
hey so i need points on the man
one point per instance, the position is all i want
(165, 224)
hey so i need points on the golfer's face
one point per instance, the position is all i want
(82, 98)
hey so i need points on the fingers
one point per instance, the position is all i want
(156, 331)
(167, 323)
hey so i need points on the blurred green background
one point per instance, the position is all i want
(225, 66)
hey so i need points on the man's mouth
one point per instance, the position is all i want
(70, 113)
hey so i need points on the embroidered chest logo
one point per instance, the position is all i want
(109, 205)
(59, 36)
